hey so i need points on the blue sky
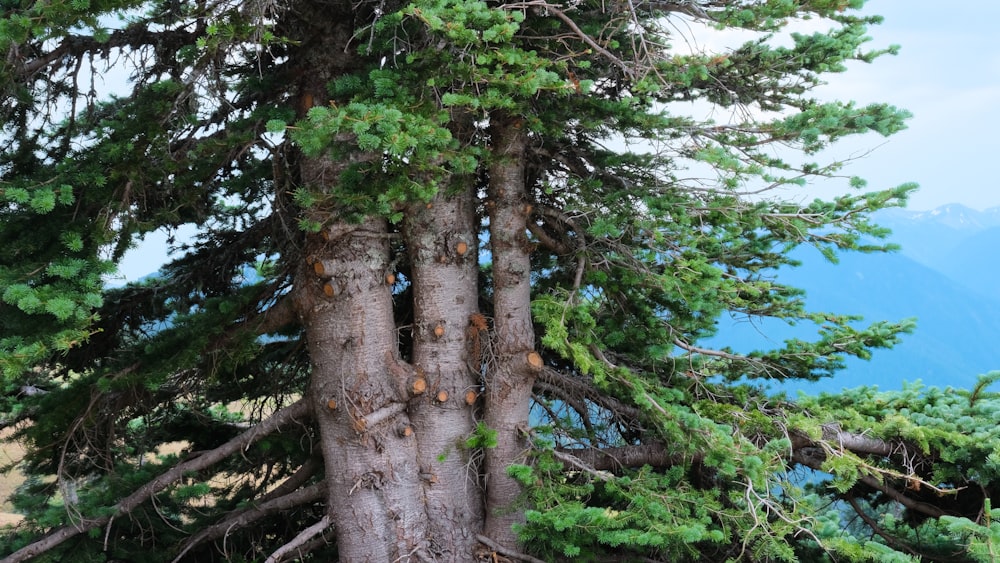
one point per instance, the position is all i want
(948, 75)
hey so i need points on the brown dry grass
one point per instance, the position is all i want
(10, 453)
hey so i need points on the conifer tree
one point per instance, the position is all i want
(454, 268)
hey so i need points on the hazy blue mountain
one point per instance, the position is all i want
(973, 262)
(959, 242)
(946, 276)
(929, 236)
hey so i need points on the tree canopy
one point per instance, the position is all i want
(455, 268)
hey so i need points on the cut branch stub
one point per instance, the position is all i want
(404, 430)
(390, 278)
(461, 248)
(418, 386)
(361, 424)
(331, 404)
(322, 269)
(470, 397)
(535, 361)
(328, 289)
(442, 396)
(438, 331)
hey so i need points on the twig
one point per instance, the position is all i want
(583, 36)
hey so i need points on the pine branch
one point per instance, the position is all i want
(299, 409)
(579, 33)
(74, 47)
(901, 498)
(871, 523)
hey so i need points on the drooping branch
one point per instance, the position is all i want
(300, 540)
(577, 387)
(901, 498)
(283, 497)
(74, 47)
(297, 410)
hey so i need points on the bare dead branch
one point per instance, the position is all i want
(299, 540)
(373, 419)
(581, 242)
(279, 315)
(283, 497)
(506, 552)
(708, 352)
(548, 241)
(131, 37)
(565, 457)
(857, 443)
(572, 401)
(299, 409)
(296, 480)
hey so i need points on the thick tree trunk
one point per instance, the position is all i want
(511, 376)
(374, 494)
(441, 240)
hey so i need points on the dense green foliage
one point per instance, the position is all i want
(647, 225)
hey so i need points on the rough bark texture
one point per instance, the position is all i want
(374, 494)
(510, 377)
(441, 239)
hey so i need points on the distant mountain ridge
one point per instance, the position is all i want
(953, 215)
(959, 242)
(946, 274)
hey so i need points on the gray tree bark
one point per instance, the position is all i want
(441, 240)
(510, 377)
(357, 389)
